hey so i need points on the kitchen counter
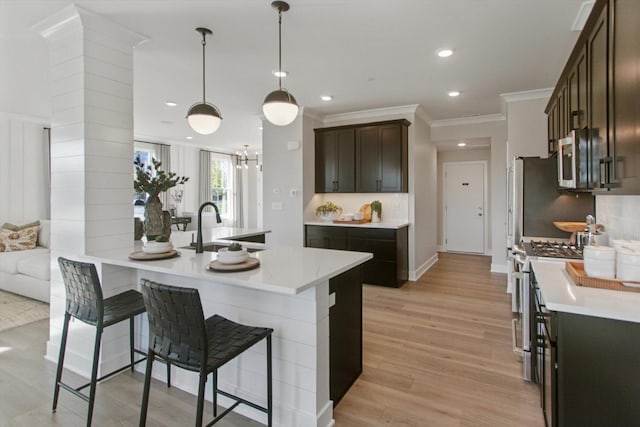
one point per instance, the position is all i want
(385, 224)
(561, 294)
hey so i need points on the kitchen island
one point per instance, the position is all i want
(288, 292)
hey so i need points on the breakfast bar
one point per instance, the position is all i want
(288, 292)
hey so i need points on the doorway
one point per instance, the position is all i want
(465, 202)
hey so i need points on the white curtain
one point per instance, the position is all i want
(163, 154)
(238, 204)
(205, 177)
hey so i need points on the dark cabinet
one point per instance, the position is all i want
(624, 147)
(335, 159)
(390, 263)
(363, 158)
(345, 332)
(599, 93)
(597, 379)
(382, 158)
(598, 69)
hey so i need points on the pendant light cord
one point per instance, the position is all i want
(204, 43)
(280, 48)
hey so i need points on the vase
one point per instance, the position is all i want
(375, 216)
(155, 219)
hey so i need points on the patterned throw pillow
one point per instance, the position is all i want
(18, 240)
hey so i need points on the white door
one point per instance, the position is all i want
(464, 207)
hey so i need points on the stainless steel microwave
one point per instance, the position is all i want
(574, 170)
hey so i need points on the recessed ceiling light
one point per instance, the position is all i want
(281, 73)
(189, 137)
(170, 103)
(462, 144)
(454, 93)
(445, 53)
(326, 97)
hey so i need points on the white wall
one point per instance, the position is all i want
(282, 173)
(527, 127)
(462, 155)
(496, 130)
(24, 170)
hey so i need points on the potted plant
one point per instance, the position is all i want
(328, 211)
(151, 179)
(376, 211)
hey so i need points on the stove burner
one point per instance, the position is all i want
(554, 250)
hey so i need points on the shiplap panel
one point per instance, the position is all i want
(5, 162)
(16, 156)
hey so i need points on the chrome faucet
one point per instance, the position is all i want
(199, 246)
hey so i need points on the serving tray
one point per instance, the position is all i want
(144, 256)
(580, 278)
(355, 221)
(249, 264)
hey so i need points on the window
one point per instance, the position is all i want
(139, 199)
(222, 183)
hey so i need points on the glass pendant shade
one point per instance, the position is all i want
(280, 107)
(204, 118)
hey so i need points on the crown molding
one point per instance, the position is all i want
(583, 15)
(422, 114)
(527, 95)
(487, 118)
(308, 112)
(370, 114)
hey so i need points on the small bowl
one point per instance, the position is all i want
(225, 256)
(347, 217)
(157, 247)
(599, 252)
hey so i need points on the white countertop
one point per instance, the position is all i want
(284, 270)
(561, 294)
(385, 224)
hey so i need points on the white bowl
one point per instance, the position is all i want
(157, 247)
(347, 217)
(225, 256)
(602, 268)
(599, 252)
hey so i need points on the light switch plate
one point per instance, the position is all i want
(276, 206)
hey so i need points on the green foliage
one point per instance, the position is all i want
(146, 182)
(328, 207)
(235, 247)
(162, 238)
(376, 206)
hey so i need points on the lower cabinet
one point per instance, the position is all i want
(390, 263)
(345, 332)
(597, 371)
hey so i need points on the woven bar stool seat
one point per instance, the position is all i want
(84, 301)
(180, 335)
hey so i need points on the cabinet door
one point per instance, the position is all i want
(582, 108)
(562, 113)
(367, 159)
(326, 165)
(552, 130)
(345, 161)
(625, 144)
(598, 99)
(391, 157)
(328, 237)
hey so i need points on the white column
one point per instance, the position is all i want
(91, 62)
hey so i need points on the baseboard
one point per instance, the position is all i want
(415, 275)
(441, 248)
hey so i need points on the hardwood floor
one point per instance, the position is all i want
(437, 352)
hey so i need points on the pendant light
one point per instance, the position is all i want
(203, 117)
(280, 107)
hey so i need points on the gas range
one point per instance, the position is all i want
(552, 249)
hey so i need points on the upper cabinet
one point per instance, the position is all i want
(599, 94)
(365, 158)
(335, 157)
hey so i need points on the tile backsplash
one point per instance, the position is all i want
(620, 215)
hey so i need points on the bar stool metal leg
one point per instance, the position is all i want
(147, 386)
(203, 381)
(215, 393)
(131, 332)
(94, 374)
(63, 345)
(269, 381)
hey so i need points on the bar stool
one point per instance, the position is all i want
(179, 333)
(85, 303)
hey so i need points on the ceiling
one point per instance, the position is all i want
(367, 54)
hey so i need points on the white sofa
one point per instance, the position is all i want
(28, 272)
